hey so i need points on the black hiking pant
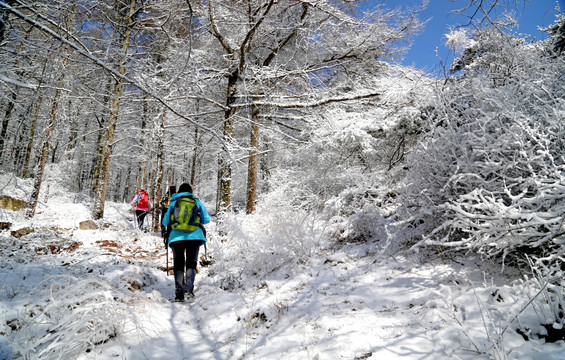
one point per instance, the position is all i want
(140, 216)
(163, 227)
(185, 260)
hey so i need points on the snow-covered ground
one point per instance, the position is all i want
(67, 293)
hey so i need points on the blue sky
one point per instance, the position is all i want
(530, 15)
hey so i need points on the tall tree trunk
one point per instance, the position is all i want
(196, 159)
(17, 147)
(73, 131)
(253, 161)
(264, 166)
(151, 192)
(50, 127)
(102, 188)
(6, 121)
(142, 171)
(83, 165)
(45, 147)
(103, 176)
(225, 163)
(41, 167)
(254, 139)
(126, 193)
(196, 162)
(11, 103)
(32, 129)
(255, 20)
(160, 171)
(98, 159)
(54, 152)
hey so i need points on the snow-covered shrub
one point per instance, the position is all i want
(361, 216)
(69, 316)
(278, 236)
(369, 224)
(547, 298)
(490, 173)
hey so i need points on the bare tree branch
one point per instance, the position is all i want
(311, 104)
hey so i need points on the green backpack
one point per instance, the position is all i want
(185, 215)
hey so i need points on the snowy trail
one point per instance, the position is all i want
(342, 308)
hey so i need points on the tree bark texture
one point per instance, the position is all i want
(142, 166)
(100, 141)
(160, 172)
(225, 167)
(253, 162)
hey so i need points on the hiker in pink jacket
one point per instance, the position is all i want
(142, 206)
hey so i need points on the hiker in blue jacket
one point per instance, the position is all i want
(186, 235)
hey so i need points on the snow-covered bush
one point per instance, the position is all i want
(490, 173)
(68, 317)
(369, 224)
(277, 237)
(547, 297)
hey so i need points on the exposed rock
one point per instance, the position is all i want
(88, 225)
(5, 225)
(21, 232)
(10, 203)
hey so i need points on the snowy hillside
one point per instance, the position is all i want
(67, 293)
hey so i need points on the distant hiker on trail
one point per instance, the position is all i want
(142, 206)
(186, 216)
(164, 205)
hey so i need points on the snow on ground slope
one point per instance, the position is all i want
(67, 293)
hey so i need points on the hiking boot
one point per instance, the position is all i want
(179, 296)
(190, 295)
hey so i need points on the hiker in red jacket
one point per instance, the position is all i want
(142, 206)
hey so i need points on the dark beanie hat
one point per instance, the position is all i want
(185, 188)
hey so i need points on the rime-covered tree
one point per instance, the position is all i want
(488, 173)
(557, 33)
